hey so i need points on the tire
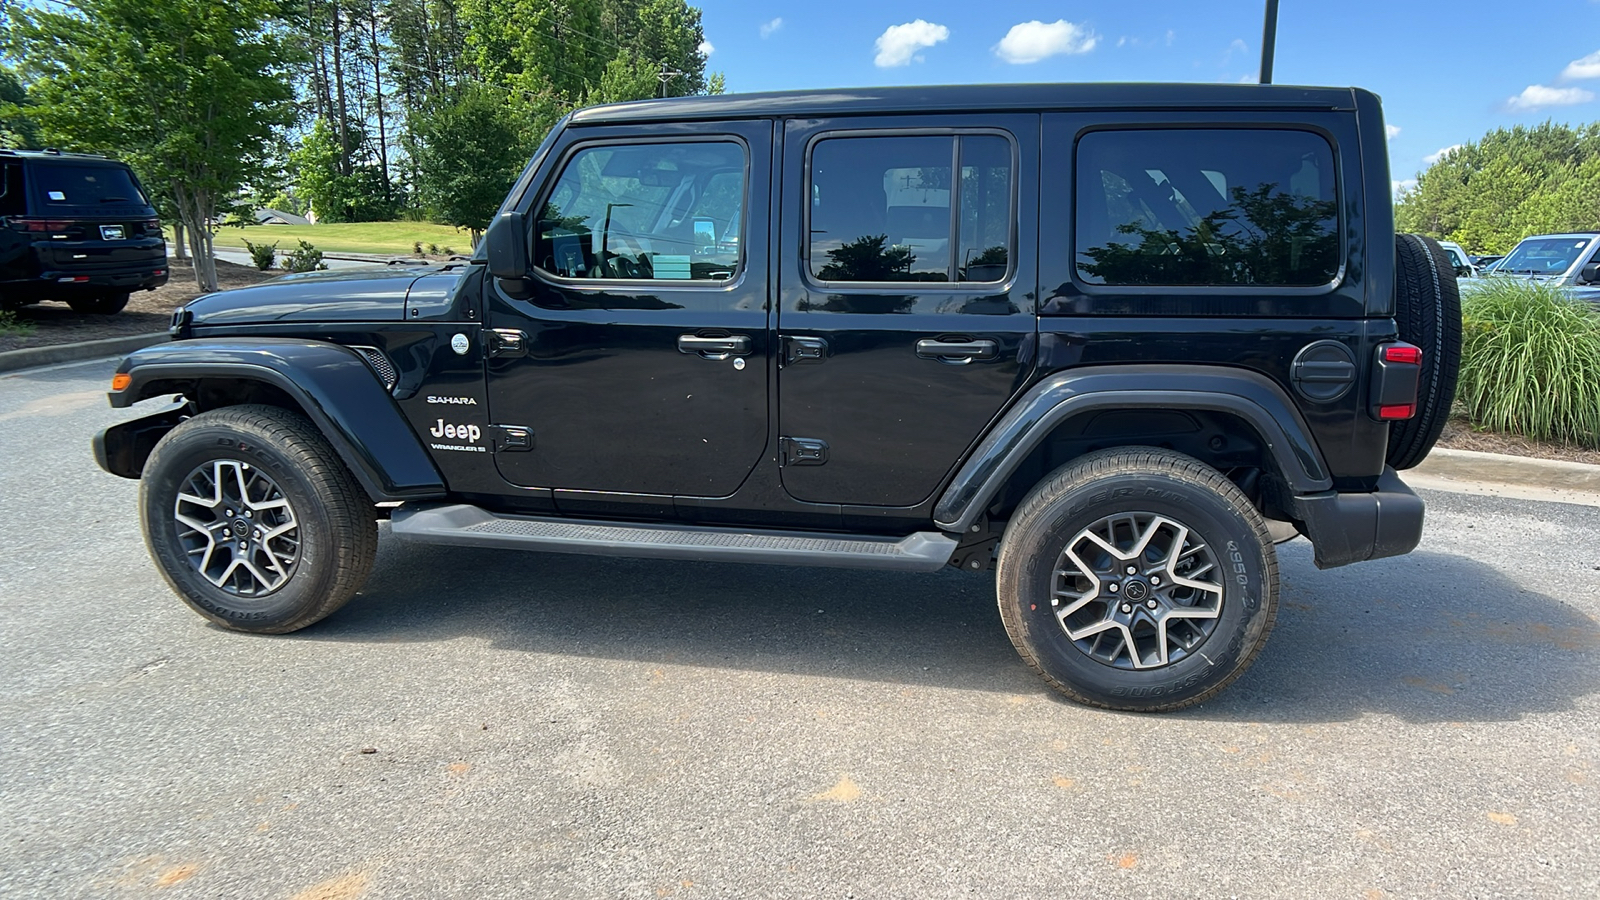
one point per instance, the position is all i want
(1428, 313)
(104, 305)
(292, 476)
(1159, 498)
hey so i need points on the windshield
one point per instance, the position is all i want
(1542, 256)
(61, 185)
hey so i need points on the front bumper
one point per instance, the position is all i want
(1347, 528)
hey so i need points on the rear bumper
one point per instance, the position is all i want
(123, 278)
(1351, 528)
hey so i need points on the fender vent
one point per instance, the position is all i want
(380, 364)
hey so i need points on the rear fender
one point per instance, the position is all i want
(331, 384)
(1059, 397)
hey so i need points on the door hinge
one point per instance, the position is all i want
(802, 451)
(504, 342)
(798, 350)
(512, 438)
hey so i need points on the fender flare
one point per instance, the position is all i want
(1251, 396)
(333, 385)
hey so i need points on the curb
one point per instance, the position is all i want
(1513, 476)
(28, 357)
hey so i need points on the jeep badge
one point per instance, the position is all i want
(460, 345)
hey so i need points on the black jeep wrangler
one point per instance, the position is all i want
(1113, 341)
(75, 227)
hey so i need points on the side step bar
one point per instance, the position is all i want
(460, 524)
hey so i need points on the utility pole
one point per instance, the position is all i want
(665, 76)
(1269, 41)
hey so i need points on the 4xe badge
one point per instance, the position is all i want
(460, 344)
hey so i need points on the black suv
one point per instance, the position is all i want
(1113, 341)
(75, 227)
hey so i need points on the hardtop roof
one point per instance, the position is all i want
(970, 98)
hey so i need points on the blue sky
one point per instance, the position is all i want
(1447, 71)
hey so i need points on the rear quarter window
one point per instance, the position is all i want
(1206, 207)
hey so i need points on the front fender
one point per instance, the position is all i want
(333, 386)
(1059, 397)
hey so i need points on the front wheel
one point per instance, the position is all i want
(1138, 579)
(255, 521)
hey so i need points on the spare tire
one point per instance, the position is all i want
(1427, 310)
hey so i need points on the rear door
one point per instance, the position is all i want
(99, 219)
(908, 283)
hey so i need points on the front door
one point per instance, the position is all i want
(637, 355)
(908, 281)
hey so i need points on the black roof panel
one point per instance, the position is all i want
(969, 98)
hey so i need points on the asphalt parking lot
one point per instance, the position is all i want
(493, 724)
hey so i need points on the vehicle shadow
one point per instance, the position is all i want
(1427, 637)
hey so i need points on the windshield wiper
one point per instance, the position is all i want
(113, 199)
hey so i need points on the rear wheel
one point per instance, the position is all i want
(1428, 314)
(1138, 579)
(103, 305)
(255, 521)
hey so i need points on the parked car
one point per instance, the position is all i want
(78, 228)
(1485, 264)
(1571, 261)
(1110, 341)
(1459, 260)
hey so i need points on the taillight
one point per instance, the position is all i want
(1397, 411)
(42, 225)
(1396, 372)
(1403, 353)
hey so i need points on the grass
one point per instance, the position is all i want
(381, 238)
(1530, 362)
(12, 326)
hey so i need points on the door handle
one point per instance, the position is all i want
(957, 352)
(715, 348)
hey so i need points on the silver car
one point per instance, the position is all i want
(1569, 260)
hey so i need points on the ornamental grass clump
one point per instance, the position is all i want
(1530, 362)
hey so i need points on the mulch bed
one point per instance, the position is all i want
(147, 311)
(1458, 435)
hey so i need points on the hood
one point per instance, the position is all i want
(367, 294)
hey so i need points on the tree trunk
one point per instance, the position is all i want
(181, 252)
(343, 123)
(377, 90)
(193, 208)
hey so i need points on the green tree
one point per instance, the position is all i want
(189, 91)
(1488, 194)
(468, 152)
(17, 128)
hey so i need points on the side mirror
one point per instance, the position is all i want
(1590, 273)
(507, 243)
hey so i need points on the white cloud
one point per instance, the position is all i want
(706, 49)
(1122, 41)
(1538, 96)
(898, 45)
(1580, 69)
(1171, 35)
(767, 28)
(1402, 187)
(1392, 130)
(1440, 153)
(1030, 42)
(1238, 46)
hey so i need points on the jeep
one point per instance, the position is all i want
(75, 227)
(1111, 341)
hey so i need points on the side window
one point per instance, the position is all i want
(13, 201)
(1184, 207)
(656, 211)
(881, 209)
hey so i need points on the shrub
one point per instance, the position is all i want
(416, 247)
(449, 251)
(262, 255)
(1530, 362)
(433, 249)
(11, 324)
(304, 259)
